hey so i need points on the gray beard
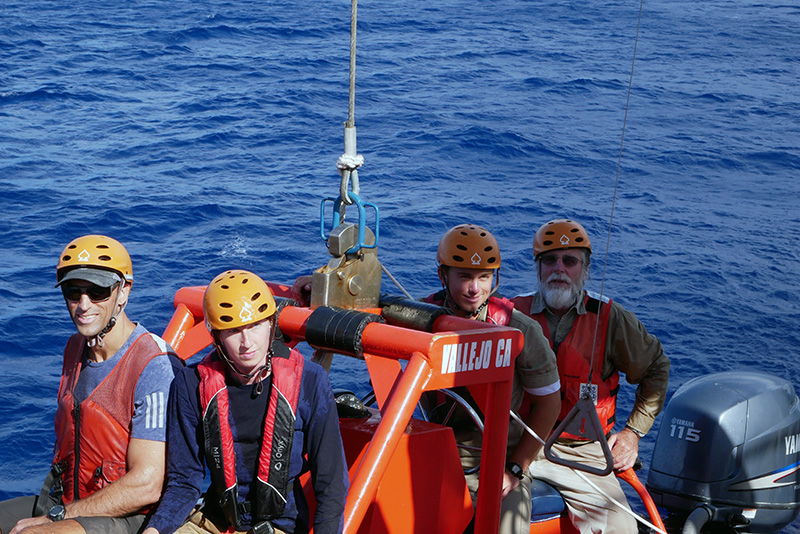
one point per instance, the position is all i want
(560, 298)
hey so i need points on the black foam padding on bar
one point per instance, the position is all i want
(399, 311)
(338, 330)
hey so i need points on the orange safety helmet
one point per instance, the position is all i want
(469, 246)
(94, 252)
(237, 298)
(558, 234)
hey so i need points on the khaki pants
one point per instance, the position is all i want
(590, 512)
(198, 523)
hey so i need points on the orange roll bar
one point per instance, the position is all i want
(629, 476)
(182, 320)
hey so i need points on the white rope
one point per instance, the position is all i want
(348, 162)
(624, 508)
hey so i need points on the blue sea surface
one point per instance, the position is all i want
(203, 136)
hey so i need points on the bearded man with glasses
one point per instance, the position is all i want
(110, 449)
(590, 332)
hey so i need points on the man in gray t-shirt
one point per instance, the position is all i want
(108, 467)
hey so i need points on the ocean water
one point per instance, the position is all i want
(203, 135)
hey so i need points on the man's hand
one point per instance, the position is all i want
(624, 447)
(29, 522)
(301, 289)
(510, 482)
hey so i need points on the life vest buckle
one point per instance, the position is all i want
(265, 527)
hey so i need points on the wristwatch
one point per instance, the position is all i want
(637, 432)
(56, 513)
(515, 469)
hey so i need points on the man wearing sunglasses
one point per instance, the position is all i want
(590, 333)
(108, 467)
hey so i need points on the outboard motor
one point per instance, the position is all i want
(728, 453)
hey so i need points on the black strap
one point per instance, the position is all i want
(52, 489)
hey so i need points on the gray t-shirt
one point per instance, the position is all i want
(152, 389)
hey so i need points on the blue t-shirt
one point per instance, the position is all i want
(152, 390)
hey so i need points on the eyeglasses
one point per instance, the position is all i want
(552, 259)
(95, 293)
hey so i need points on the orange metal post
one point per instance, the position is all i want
(493, 455)
(397, 414)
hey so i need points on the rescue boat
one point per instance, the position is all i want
(727, 455)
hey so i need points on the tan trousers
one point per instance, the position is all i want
(591, 512)
(198, 523)
(515, 509)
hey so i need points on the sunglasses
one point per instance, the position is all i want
(95, 293)
(568, 261)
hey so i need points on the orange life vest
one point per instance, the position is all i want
(92, 437)
(271, 487)
(574, 355)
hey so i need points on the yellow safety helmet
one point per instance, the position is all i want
(558, 234)
(468, 246)
(94, 258)
(237, 298)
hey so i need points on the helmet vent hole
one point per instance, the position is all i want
(491, 260)
(263, 308)
(256, 296)
(66, 258)
(104, 258)
(458, 259)
(579, 240)
(225, 305)
(226, 318)
(462, 247)
(225, 286)
(548, 243)
(488, 249)
(102, 246)
(244, 281)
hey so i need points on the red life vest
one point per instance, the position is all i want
(498, 310)
(574, 355)
(92, 437)
(272, 484)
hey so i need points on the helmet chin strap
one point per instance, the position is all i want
(264, 370)
(97, 340)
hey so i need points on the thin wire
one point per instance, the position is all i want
(616, 187)
(393, 279)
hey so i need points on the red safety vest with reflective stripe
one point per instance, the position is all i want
(574, 356)
(272, 484)
(92, 437)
